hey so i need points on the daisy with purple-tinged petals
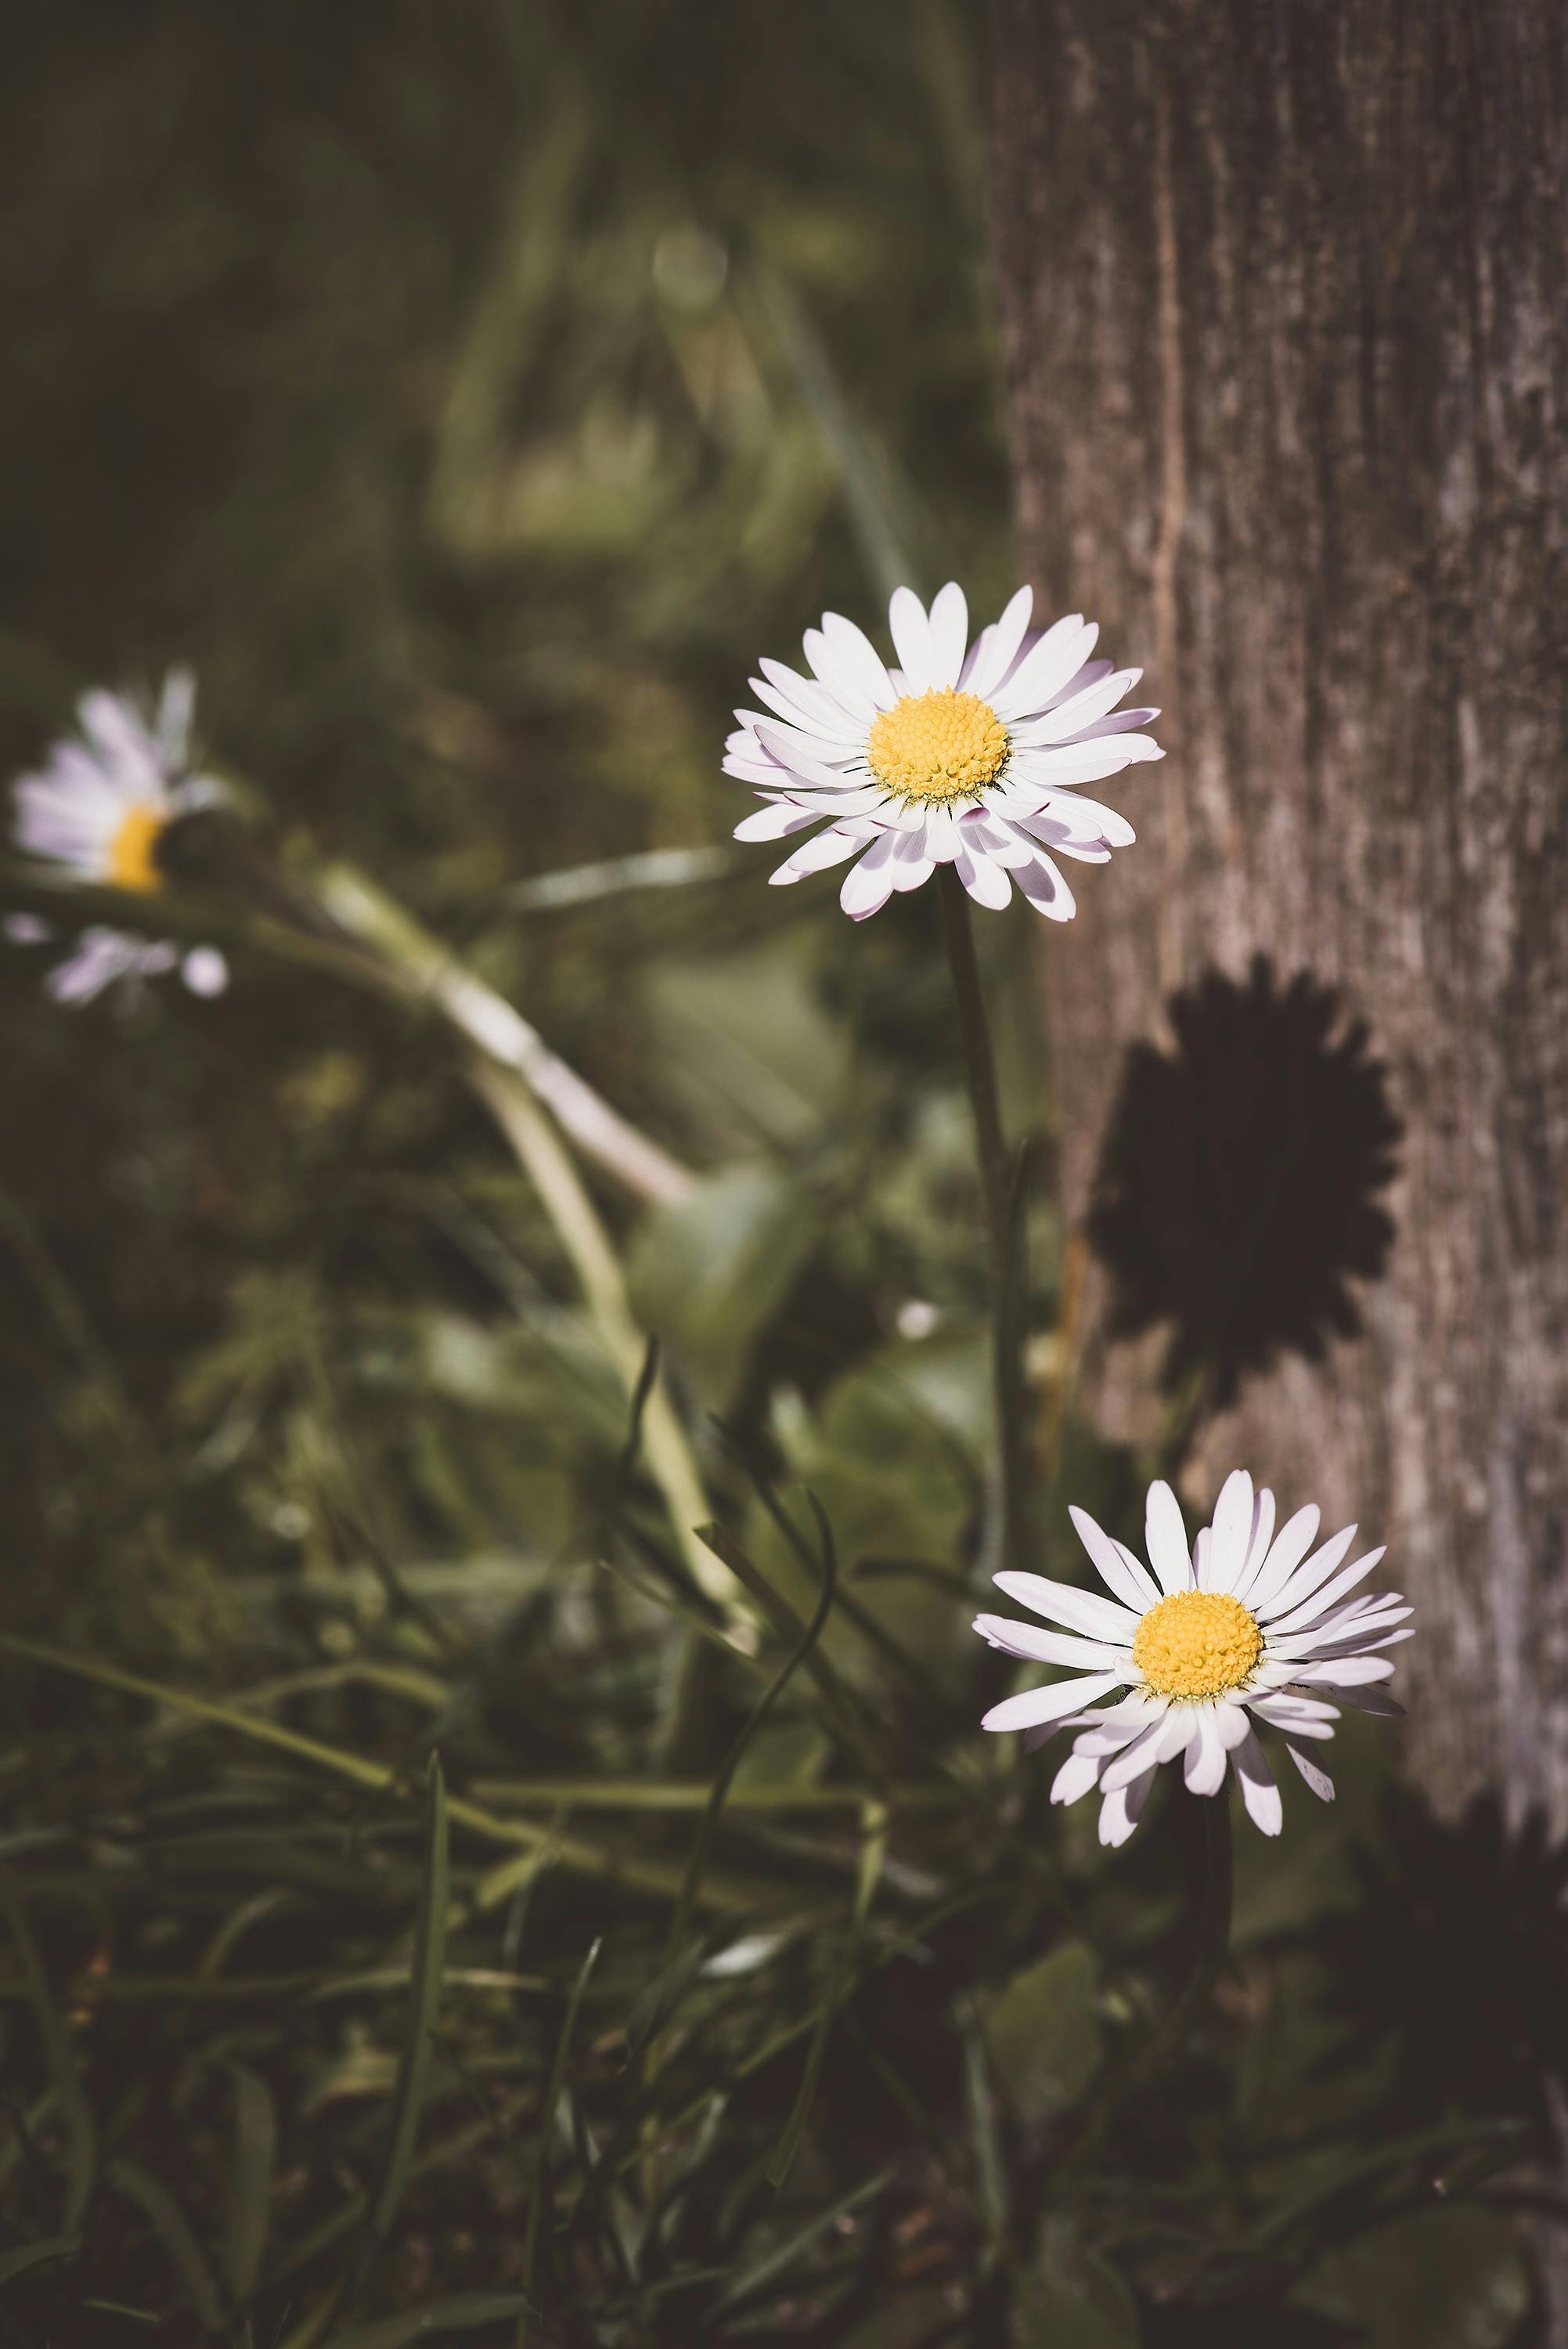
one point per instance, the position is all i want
(969, 754)
(99, 806)
(1245, 1626)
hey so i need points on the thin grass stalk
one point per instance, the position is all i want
(533, 1097)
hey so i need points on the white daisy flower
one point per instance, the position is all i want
(967, 754)
(99, 806)
(1244, 1628)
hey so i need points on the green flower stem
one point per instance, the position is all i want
(997, 1187)
(1209, 1872)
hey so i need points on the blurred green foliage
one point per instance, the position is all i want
(472, 394)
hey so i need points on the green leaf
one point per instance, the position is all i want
(709, 1270)
(465, 2313)
(18, 2261)
(173, 2230)
(1453, 2279)
(1043, 2031)
(1072, 2298)
(747, 1033)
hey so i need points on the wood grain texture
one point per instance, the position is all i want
(1286, 298)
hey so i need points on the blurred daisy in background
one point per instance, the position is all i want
(972, 755)
(100, 806)
(1245, 1626)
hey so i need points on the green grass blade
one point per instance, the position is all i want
(173, 2230)
(844, 1705)
(424, 2001)
(572, 1852)
(16, 2262)
(250, 2186)
(541, 2184)
(781, 2255)
(75, 2112)
(465, 2313)
(676, 1969)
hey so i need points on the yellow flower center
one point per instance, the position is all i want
(1197, 1643)
(938, 746)
(132, 864)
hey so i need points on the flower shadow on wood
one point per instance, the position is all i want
(1236, 1197)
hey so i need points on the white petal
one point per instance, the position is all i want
(790, 750)
(1116, 1734)
(822, 716)
(1117, 1568)
(941, 835)
(1043, 1647)
(912, 640)
(818, 854)
(1059, 840)
(1227, 1551)
(1001, 646)
(26, 930)
(205, 971)
(1320, 1782)
(1044, 669)
(816, 705)
(777, 820)
(1291, 1544)
(838, 758)
(1205, 1770)
(1345, 1672)
(1053, 1704)
(994, 837)
(1041, 882)
(853, 648)
(949, 634)
(1296, 1714)
(1078, 1774)
(986, 883)
(1081, 1610)
(1067, 719)
(1311, 1609)
(911, 866)
(868, 886)
(1085, 813)
(1366, 1700)
(1307, 1577)
(1259, 1540)
(129, 751)
(1120, 1813)
(1165, 1538)
(1108, 1731)
(1141, 1754)
(171, 727)
(1084, 762)
(1259, 1791)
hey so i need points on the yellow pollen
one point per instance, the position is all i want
(937, 746)
(1196, 1644)
(132, 864)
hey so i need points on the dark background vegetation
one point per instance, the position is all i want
(470, 395)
